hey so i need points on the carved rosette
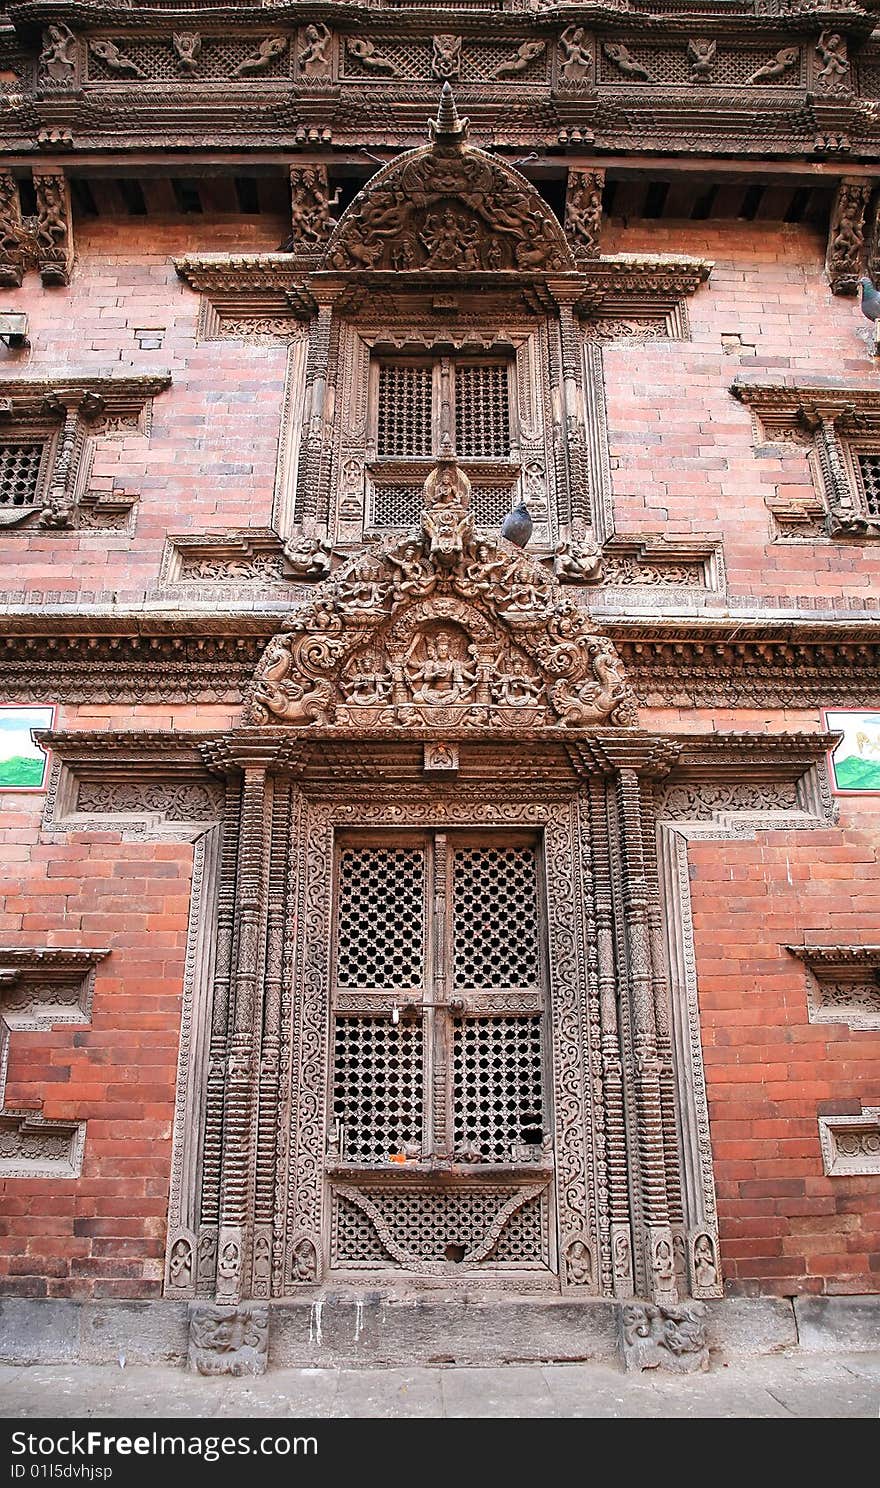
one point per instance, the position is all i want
(445, 627)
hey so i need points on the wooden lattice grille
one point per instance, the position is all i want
(438, 1045)
(482, 411)
(404, 411)
(423, 408)
(20, 468)
(399, 503)
(868, 462)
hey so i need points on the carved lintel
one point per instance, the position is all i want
(228, 1339)
(846, 235)
(665, 1337)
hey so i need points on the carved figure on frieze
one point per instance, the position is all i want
(624, 60)
(446, 61)
(53, 231)
(579, 1264)
(263, 57)
(308, 557)
(833, 75)
(701, 57)
(444, 627)
(228, 1339)
(116, 61)
(662, 1337)
(315, 56)
(448, 207)
(523, 58)
(366, 53)
(705, 1266)
(17, 246)
(58, 57)
(187, 47)
(583, 211)
(785, 59)
(576, 70)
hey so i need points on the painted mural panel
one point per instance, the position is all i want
(855, 763)
(23, 764)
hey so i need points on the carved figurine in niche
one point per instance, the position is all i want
(187, 49)
(367, 688)
(579, 1263)
(314, 58)
(180, 1265)
(435, 673)
(663, 1263)
(575, 70)
(263, 57)
(526, 54)
(446, 519)
(518, 592)
(831, 77)
(446, 62)
(305, 1264)
(366, 54)
(58, 57)
(705, 1269)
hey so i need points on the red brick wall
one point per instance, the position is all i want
(785, 1226)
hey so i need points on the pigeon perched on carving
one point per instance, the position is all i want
(517, 525)
(870, 299)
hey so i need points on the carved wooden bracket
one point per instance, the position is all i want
(43, 241)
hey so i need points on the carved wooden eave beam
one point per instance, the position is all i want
(91, 395)
(837, 960)
(782, 411)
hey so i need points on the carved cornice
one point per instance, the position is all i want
(836, 959)
(48, 960)
(90, 394)
(786, 409)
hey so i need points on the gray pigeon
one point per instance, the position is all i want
(870, 300)
(517, 526)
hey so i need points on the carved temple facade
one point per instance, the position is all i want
(392, 906)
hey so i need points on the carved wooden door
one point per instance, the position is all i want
(440, 1153)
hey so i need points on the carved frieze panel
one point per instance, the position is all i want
(851, 1144)
(408, 59)
(186, 56)
(843, 983)
(701, 62)
(40, 988)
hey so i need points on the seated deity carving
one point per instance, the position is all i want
(363, 589)
(441, 676)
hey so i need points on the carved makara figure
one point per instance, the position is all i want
(187, 47)
(315, 54)
(784, 60)
(525, 55)
(366, 54)
(109, 53)
(623, 59)
(577, 68)
(446, 61)
(263, 57)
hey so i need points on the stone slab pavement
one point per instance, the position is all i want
(786, 1386)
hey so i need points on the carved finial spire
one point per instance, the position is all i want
(447, 131)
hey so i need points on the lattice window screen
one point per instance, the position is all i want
(482, 411)
(399, 504)
(381, 922)
(497, 1085)
(426, 1223)
(377, 1087)
(496, 918)
(404, 411)
(869, 472)
(20, 465)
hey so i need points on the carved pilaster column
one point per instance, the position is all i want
(846, 235)
(53, 228)
(578, 503)
(583, 211)
(647, 1064)
(313, 441)
(842, 514)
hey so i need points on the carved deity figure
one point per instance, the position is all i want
(450, 241)
(363, 589)
(575, 70)
(314, 57)
(515, 688)
(579, 1262)
(701, 56)
(51, 230)
(180, 1264)
(310, 204)
(446, 519)
(441, 677)
(58, 57)
(705, 1269)
(578, 561)
(446, 61)
(308, 557)
(831, 77)
(526, 54)
(108, 52)
(187, 49)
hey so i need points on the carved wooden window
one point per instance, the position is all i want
(424, 409)
(24, 471)
(866, 463)
(438, 1002)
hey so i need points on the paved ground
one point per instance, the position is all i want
(793, 1386)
